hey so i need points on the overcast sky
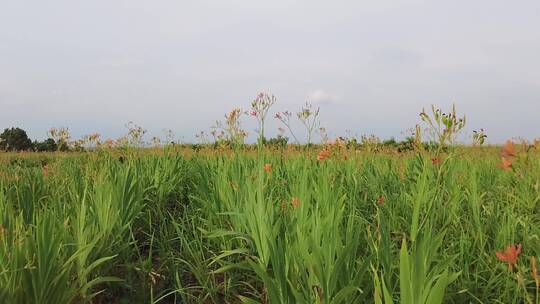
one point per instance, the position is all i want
(370, 65)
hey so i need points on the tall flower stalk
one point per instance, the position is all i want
(309, 117)
(231, 130)
(259, 109)
(443, 127)
(285, 119)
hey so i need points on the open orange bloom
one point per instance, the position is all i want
(506, 163)
(267, 168)
(324, 154)
(295, 202)
(381, 200)
(509, 150)
(45, 170)
(510, 255)
(508, 153)
(435, 160)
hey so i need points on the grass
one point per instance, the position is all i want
(167, 226)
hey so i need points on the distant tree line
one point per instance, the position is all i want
(16, 139)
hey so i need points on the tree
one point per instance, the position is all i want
(48, 145)
(15, 139)
(279, 141)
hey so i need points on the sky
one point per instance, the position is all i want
(371, 66)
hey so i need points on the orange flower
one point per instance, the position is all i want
(435, 161)
(324, 154)
(295, 202)
(508, 153)
(109, 143)
(510, 255)
(506, 163)
(45, 170)
(267, 168)
(381, 200)
(508, 150)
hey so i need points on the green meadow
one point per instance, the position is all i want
(284, 225)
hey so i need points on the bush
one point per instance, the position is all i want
(352, 143)
(392, 143)
(48, 145)
(279, 141)
(406, 145)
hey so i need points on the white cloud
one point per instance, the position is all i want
(321, 97)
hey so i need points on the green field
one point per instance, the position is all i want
(273, 226)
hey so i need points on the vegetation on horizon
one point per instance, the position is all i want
(441, 130)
